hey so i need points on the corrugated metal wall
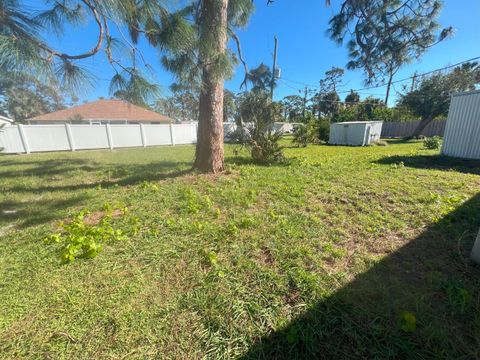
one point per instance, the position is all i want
(404, 129)
(462, 133)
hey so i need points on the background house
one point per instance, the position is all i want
(102, 112)
(5, 121)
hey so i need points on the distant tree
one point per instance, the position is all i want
(329, 104)
(23, 96)
(352, 98)
(260, 77)
(431, 96)
(181, 105)
(370, 104)
(166, 106)
(229, 105)
(292, 107)
(333, 78)
(384, 35)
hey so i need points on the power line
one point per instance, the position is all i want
(415, 76)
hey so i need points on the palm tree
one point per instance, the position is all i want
(260, 77)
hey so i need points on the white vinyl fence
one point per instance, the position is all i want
(66, 137)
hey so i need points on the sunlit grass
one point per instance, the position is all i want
(212, 264)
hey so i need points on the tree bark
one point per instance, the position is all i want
(423, 124)
(209, 156)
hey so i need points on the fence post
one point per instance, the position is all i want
(23, 136)
(142, 134)
(109, 136)
(172, 135)
(68, 130)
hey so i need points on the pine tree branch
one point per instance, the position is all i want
(240, 56)
(87, 54)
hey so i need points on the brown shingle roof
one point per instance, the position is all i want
(106, 110)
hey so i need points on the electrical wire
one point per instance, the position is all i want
(393, 82)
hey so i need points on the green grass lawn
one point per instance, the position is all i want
(341, 253)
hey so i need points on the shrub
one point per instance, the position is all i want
(432, 143)
(323, 130)
(300, 135)
(259, 113)
(266, 148)
(313, 132)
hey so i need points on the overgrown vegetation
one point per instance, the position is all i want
(432, 143)
(257, 114)
(84, 236)
(293, 261)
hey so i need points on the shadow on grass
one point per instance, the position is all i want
(438, 162)
(429, 277)
(68, 179)
(105, 175)
(30, 214)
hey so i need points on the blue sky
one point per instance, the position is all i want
(305, 52)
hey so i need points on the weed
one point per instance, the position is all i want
(80, 240)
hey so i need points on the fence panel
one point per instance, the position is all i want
(184, 133)
(126, 136)
(404, 129)
(157, 135)
(37, 138)
(89, 136)
(10, 140)
(47, 138)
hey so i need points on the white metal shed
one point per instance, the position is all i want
(462, 132)
(5, 120)
(360, 133)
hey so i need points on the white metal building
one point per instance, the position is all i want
(359, 133)
(462, 132)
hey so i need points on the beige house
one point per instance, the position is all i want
(102, 112)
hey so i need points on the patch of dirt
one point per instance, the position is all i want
(266, 256)
(95, 217)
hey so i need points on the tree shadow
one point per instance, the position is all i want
(247, 160)
(46, 168)
(52, 186)
(28, 214)
(105, 175)
(429, 281)
(439, 162)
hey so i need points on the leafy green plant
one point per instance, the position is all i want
(306, 134)
(432, 143)
(80, 239)
(408, 321)
(257, 115)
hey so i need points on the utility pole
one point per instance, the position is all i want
(319, 99)
(305, 101)
(274, 68)
(414, 79)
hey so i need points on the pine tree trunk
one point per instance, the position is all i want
(209, 156)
